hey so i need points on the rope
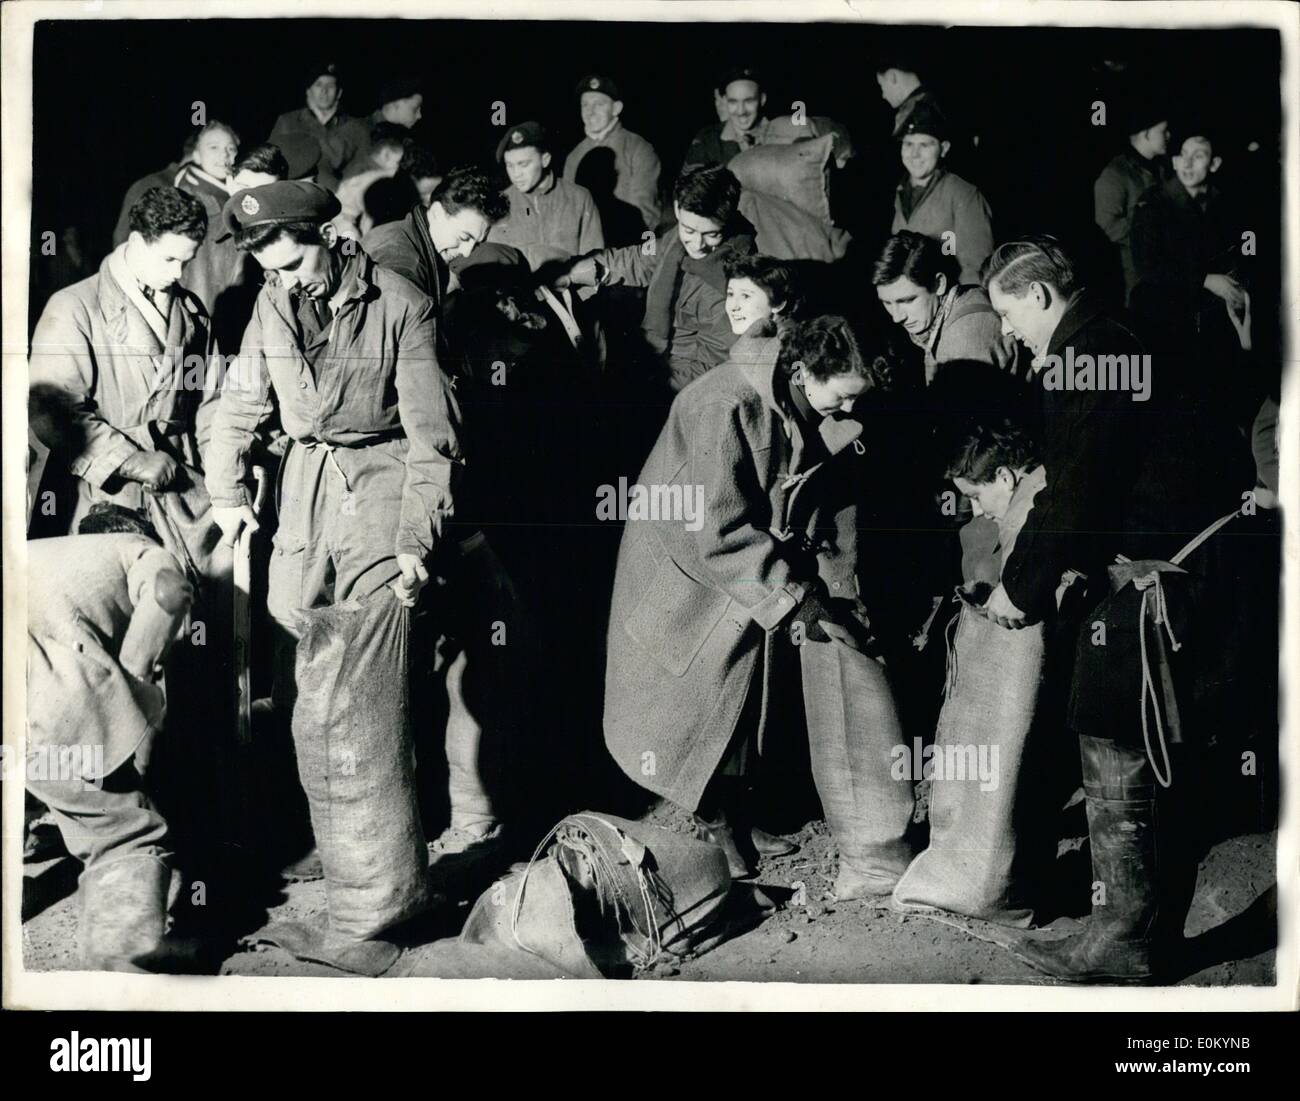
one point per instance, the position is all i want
(1153, 598)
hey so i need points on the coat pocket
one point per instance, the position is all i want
(674, 618)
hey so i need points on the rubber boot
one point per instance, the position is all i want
(123, 912)
(1118, 944)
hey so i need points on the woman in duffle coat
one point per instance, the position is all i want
(698, 615)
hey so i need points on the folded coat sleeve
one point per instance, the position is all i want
(246, 403)
(63, 356)
(431, 419)
(735, 540)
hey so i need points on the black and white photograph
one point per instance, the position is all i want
(670, 504)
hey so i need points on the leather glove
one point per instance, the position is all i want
(151, 468)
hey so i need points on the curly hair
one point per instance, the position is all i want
(168, 210)
(418, 162)
(775, 277)
(988, 446)
(107, 518)
(711, 192)
(469, 188)
(1035, 259)
(825, 347)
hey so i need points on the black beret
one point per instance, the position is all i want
(594, 82)
(740, 72)
(278, 203)
(400, 87)
(319, 68)
(526, 133)
(925, 118)
(1143, 114)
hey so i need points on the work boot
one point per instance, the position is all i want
(1117, 945)
(123, 913)
(720, 831)
(769, 844)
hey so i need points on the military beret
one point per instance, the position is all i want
(319, 68)
(1143, 114)
(401, 87)
(594, 82)
(278, 203)
(517, 137)
(302, 153)
(925, 118)
(740, 72)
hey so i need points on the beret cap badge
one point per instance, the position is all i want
(249, 205)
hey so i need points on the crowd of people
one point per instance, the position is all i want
(949, 494)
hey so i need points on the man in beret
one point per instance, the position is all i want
(344, 350)
(938, 203)
(635, 161)
(333, 130)
(746, 125)
(550, 218)
(401, 103)
(1128, 176)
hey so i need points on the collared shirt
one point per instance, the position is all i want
(154, 307)
(555, 221)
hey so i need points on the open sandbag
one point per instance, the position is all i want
(784, 130)
(785, 232)
(352, 738)
(797, 173)
(978, 859)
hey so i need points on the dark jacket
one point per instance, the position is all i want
(950, 204)
(406, 248)
(1115, 195)
(339, 139)
(693, 611)
(1128, 477)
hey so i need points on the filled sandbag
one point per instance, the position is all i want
(785, 232)
(783, 130)
(795, 172)
(979, 860)
(605, 896)
(356, 761)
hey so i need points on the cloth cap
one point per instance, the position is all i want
(319, 68)
(401, 87)
(594, 82)
(740, 72)
(278, 203)
(517, 137)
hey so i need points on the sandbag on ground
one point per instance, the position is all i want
(356, 762)
(976, 863)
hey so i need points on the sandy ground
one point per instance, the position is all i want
(1231, 928)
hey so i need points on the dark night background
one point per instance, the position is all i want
(112, 100)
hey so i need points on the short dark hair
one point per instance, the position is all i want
(1035, 259)
(266, 158)
(418, 162)
(988, 446)
(256, 238)
(917, 257)
(776, 277)
(169, 210)
(825, 347)
(388, 134)
(108, 518)
(709, 191)
(389, 198)
(471, 188)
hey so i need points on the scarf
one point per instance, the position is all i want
(661, 297)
